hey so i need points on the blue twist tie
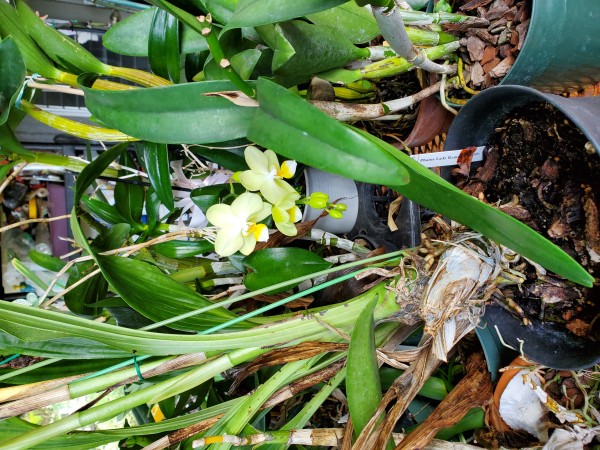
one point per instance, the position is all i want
(25, 83)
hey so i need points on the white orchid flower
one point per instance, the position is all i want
(266, 175)
(286, 213)
(238, 223)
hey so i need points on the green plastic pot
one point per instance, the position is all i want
(561, 52)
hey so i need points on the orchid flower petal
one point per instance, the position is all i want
(287, 228)
(248, 245)
(288, 169)
(256, 160)
(251, 180)
(228, 241)
(220, 215)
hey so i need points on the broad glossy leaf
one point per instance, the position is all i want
(250, 13)
(302, 49)
(207, 196)
(363, 387)
(183, 249)
(221, 10)
(295, 129)
(178, 114)
(104, 213)
(276, 265)
(130, 36)
(350, 20)
(315, 139)
(157, 296)
(156, 163)
(129, 197)
(12, 75)
(163, 46)
(244, 62)
(230, 158)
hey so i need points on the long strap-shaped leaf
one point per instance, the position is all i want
(179, 114)
(297, 130)
(363, 386)
(33, 324)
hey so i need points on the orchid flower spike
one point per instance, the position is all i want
(267, 175)
(239, 224)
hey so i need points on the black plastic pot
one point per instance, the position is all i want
(474, 126)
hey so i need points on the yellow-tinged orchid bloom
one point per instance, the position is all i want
(286, 213)
(238, 223)
(266, 175)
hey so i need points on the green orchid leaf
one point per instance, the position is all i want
(230, 158)
(29, 274)
(350, 20)
(207, 196)
(95, 169)
(129, 198)
(79, 348)
(9, 143)
(178, 114)
(130, 36)
(231, 43)
(104, 213)
(69, 368)
(244, 62)
(183, 249)
(303, 49)
(163, 45)
(363, 387)
(250, 13)
(276, 265)
(152, 208)
(157, 296)
(12, 76)
(87, 292)
(156, 163)
(5, 169)
(221, 10)
(82, 298)
(295, 129)
(35, 60)
(60, 48)
(47, 262)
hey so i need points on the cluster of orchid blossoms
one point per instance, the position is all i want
(239, 224)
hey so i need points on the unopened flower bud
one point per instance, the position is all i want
(318, 200)
(335, 213)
